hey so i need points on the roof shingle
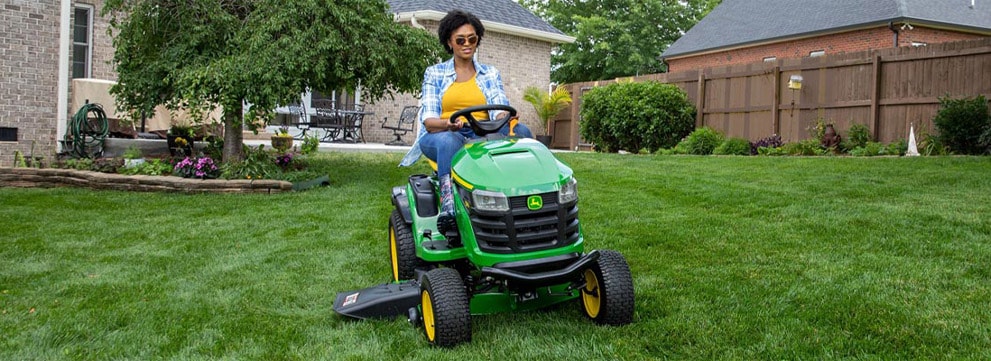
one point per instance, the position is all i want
(741, 22)
(500, 11)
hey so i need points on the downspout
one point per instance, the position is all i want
(62, 107)
(412, 20)
(891, 26)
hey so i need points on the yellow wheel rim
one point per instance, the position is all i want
(395, 256)
(428, 316)
(591, 294)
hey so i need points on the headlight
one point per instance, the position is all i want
(568, 192)
(489, 201)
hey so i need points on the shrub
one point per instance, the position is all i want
(898, 147)
(702, 141)
(856, 137)
(733, 146)
(961, 122)
(805, 147)
(773, 142)
(870, 149)
(634, 116)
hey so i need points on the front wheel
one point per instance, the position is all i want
(444, 303)
(607, 297)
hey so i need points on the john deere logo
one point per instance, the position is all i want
(534, 203)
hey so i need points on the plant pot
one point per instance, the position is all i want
(282, 144)
(546, 139)
(180, 146)
(131, 163)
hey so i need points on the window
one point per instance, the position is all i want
(82, 41)
(816, 53)
(770, 59)
(919, 43)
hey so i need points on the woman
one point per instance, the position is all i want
(450, 86)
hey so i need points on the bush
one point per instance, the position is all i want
(961, 122)
(634, 116)
(805, 147)
(702, 141)
(772, 142)
(898, 148)
(871, 149)
(733, 146)
(856, 137)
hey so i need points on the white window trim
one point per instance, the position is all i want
(90, 9)
(770, 59)
(919, 43)
(817, 53)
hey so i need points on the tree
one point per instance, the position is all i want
(547, 105)
(203, 53)
(616, 38)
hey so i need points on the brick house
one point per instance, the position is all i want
(747, 31)
(44, 44)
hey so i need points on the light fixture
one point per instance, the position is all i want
(795, 82)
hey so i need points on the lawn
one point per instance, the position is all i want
(732, 258)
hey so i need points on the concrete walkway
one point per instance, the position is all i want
(339, 147)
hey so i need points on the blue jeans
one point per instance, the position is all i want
(441, 146)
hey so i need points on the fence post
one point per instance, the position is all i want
(875, 98)
(700, 114)
(775, 114)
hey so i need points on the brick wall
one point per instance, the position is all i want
(866, 39)
(29, 34)
(523, 62)
(29, 64)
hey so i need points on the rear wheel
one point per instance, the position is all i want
(444, 303)
(402, 248)
(607, 297)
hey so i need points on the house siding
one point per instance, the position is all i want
(852, 41)
(29, 64)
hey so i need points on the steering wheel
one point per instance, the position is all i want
(482, 129)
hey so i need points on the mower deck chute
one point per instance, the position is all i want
(387, 300)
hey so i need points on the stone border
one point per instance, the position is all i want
(50, 178)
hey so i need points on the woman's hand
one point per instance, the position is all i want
(438, 125)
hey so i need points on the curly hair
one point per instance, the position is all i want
(454, 20)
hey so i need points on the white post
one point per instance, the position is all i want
(913, 149)
(62, 105)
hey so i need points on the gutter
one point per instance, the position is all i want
(891, 26)
(62, 94)
(413, 16)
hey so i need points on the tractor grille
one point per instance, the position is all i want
(523, 230)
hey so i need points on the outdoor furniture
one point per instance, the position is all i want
(407, 119)
(339, 124)
(302, 123)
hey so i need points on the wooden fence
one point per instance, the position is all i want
(886, 89)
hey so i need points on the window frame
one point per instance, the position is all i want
(88, 65)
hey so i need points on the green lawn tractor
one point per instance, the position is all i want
(517, 244)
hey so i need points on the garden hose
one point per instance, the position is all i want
(87, 131)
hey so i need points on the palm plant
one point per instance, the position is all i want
(547, 105)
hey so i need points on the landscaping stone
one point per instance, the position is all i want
(50, 178)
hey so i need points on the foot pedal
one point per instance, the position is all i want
(448, 226)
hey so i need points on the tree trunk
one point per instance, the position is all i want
(233, 134)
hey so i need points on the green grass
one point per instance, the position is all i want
(732, 258)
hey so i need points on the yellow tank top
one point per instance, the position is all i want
(462, 95)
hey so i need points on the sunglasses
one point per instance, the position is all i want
(470, 40)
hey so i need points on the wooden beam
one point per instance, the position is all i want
(875, 122)
(775, 100)
(700, 102)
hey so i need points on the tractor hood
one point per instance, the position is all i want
(510, 165)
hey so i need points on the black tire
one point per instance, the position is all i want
(444, 307)
(607, 297)
(402, 248)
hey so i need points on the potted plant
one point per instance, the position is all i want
(282, 140)
(180, 139)
(547, 106)
(133, 156)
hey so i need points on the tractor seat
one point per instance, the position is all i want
(432, 164)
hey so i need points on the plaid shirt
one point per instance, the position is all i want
(436, 80)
